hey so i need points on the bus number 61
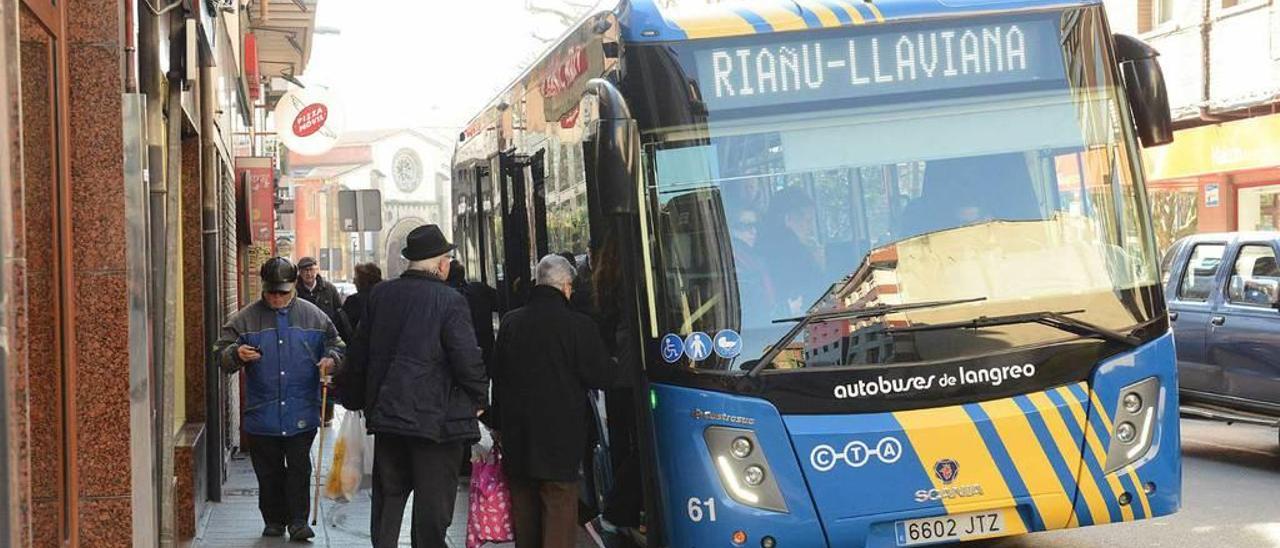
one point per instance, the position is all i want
(695, 509)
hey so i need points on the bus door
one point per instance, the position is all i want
(516, 233)
(537, 175)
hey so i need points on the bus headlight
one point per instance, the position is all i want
(754, 475)
(1135, 422)
(1132, 402)
(742, 468)
(1125, 432)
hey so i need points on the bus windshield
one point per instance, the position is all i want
(984, 161)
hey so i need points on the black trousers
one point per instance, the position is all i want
(283, 467)
(404, 465)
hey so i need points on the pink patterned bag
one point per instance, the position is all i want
(489, 516)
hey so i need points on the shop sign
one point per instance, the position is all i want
(309, 121)
(257, 174)
(564, 76)
(1211, 195)
(1238, 145)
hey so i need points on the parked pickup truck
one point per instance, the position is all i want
(1224, 302)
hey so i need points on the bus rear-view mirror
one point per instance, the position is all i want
(1145, 89)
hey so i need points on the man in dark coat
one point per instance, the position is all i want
(316, 290)
(367, 276)
(483, 302)
(545, 359)
(416, 362)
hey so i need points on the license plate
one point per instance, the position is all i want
(971, 525)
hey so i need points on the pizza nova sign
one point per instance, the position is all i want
(308, 121)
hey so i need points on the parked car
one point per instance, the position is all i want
(1224, 303)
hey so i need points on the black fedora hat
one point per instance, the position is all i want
(425, 242)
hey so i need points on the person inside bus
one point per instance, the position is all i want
(798, 260)
(755, 285)
(963, 191)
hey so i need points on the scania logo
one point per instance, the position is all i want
(960, 491)
(946, 470)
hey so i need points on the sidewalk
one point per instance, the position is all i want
(236, 523)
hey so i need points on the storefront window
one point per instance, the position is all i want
(1259, 208)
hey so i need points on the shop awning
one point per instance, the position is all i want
(1239, 145)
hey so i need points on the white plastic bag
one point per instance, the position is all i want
(348, 459)
(368, 455)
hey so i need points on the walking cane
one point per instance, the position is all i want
(324, 400)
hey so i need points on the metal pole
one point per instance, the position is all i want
(10, 160)
(212, 253)
(360, 233)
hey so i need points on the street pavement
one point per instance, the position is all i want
(1230, 497)
(236, 523)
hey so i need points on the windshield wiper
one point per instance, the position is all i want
(821, 317)
(1057, 320)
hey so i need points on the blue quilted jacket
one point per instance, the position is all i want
(283, 388)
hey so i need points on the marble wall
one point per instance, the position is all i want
(13, 294)
(34, 234)
(193, 282)
(99, 400)
(71, 259)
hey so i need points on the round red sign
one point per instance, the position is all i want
(310, 119)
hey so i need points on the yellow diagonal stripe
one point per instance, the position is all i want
(1142, 491)
(710, 23)
(949, 433)
(1070, 449)
(851, 10)
(1129, 470)
(779, 17)
(825, 15)
(1032, 462)
(874, 11)
(1095, 447)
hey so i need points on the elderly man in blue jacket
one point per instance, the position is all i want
(285, 346)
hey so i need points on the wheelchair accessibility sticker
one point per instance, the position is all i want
(672, 348)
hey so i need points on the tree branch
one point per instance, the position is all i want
(566, 18)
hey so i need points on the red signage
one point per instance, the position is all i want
(565, 71)
(570, 120)
(310, 119)
(251, 72)
(257, 175)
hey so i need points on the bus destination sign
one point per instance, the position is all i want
(866, 65)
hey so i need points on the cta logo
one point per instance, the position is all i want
(856, 454)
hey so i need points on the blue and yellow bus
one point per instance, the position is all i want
(878, 273)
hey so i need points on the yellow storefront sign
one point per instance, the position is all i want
(1252, 143)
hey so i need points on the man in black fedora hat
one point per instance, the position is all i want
(415, 368)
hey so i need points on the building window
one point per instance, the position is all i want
(1154, 13)
(406, 169)
(1163, 12)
